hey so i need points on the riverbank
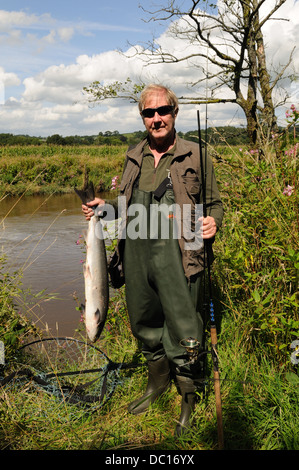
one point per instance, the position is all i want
(255, 293)
(47, 169)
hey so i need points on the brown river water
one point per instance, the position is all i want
(39, 234)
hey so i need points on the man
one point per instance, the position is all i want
(163, 273)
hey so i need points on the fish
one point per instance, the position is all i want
(95, 272)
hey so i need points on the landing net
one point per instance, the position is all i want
(71, 370)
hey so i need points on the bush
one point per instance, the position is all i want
(257, 260)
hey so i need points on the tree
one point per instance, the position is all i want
(226, 44)
(127, 90)
(55, 139)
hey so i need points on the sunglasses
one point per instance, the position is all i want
(162, 111)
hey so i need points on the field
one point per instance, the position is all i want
(255, 291)
(47, 169)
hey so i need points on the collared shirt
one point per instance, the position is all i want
(151, 177)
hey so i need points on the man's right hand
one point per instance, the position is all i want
(88, 208)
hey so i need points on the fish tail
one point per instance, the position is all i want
(87, 194)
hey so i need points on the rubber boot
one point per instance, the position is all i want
(187, 389)
(158, 383)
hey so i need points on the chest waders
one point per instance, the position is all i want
(162, 304)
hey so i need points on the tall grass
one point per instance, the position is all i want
(255, 289)
(260, 405)
(258, 260)
(14, 324)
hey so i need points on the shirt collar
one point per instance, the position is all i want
(147, 151)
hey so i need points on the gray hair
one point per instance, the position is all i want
(170, 96)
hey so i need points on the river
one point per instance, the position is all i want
(40, 235)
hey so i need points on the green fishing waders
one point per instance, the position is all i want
(163, 305)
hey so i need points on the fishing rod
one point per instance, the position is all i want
(213, 330)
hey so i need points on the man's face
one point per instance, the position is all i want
(160, 128)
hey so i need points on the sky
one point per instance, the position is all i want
(50, 50)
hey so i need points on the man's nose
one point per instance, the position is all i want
(157, 117)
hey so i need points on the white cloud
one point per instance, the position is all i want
(50, 38)
(66, 33)
(64, 83)
(9, 79)
(51, 100)
(61, 34)
(13, 23)
(17, 26)
(16, 19)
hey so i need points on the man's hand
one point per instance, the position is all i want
(88, 208)
(208, 228)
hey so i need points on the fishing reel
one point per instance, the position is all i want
(192, 348)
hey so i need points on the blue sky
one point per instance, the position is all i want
(50, 50)
(89, 27)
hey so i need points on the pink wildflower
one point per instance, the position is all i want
(292, 151)
(78, 242)
(292, 114)
(288, 190)
(115, 183)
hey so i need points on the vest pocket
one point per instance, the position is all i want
(192, 186)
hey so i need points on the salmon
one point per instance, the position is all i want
(95, 272)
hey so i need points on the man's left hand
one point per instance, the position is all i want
(209, 227)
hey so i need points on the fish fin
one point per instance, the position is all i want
(86, 270)
(87, 194)
(97, 314)
(101, 323)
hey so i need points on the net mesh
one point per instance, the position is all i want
(71, 370)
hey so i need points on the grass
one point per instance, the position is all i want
(260, 410)
(47, 169)
(255, 288)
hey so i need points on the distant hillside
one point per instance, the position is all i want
(215, 136)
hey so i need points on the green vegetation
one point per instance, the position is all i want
(255, 288)
(47, 169)
(103, 138)
(58, 164)
(215, 136)
(14, 326)
(258, 259)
